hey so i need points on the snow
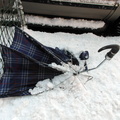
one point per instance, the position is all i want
(74, 23)
(107, 2)
(78, 97)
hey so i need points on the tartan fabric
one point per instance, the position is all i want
(21, 73)
(26, 63)
(23, 43)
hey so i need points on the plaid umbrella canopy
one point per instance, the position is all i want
(27, 45)
(26, 63)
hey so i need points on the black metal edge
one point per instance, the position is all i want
(98, 6)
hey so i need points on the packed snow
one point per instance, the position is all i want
(61, 22)
(107, 2)
(71, 97)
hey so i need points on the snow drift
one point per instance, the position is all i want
(96, 99)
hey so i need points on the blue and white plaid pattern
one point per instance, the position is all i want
(23, 43)
(21, 73)
(26, 63)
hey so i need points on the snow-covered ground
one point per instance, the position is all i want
(108, 2)
(74, 23)
(75, 99)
